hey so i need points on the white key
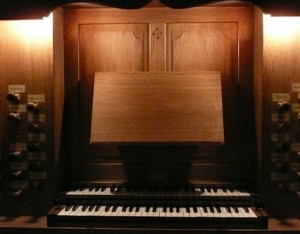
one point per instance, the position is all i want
(150, 212)
(174, 212)
(234, 213)
(192, 213)
(199, 212)
(89, 211)
(249, 214)
(213, 193)
(206, 192)
(100, 211)
(143, 212)
(244, 194)
(209, 213)
(63, 212)
(78, 211)
(85, 191)
(185, 213)
(242, 213)
(118, 211)
(161, 212)
(203, 212)
(156, 212)
(224, 213)
(252, 213)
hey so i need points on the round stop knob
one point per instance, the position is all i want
(283, 106)
(13, 97)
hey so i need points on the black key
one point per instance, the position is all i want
(228, 209)
(218, 209)
(235, 209)
(84, 208)
(224, 190)
(74, 208)
(91, 208)
(119, 188)
(211, 209)
(107, 208)
(68, 208)
(97, 208)
(246, 209)
(112, 189)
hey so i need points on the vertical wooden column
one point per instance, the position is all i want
(157, 36)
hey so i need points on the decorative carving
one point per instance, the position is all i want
(157, 33)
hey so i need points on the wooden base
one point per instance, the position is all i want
(26, 224)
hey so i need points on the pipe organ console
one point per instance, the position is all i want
(155, 116)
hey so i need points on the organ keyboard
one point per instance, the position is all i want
(125, 206)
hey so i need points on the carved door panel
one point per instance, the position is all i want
(210, 47)
(107, 48)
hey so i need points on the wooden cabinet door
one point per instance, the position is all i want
(210, 46)
(107, 48)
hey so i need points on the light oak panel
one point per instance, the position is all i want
(157, 107)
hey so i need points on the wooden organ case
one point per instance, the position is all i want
(68, 166)
(157, 40)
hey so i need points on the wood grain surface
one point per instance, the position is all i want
(157, 107)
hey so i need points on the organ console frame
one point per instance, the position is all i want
(30, 224)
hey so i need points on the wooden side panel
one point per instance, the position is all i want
(281, 72)
(58, 79)
(26, 59)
